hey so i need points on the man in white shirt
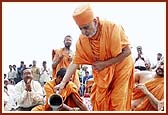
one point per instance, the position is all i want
(29, 92)
(140, 60)
(44, 74)
(10, 73)
(7, 106)
(9, 96)
(15, 73)
(35, 71)
(159, 58)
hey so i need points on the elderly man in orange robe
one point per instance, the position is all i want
(70, 95)
(104, 45)
(62, 58)
(145, 93)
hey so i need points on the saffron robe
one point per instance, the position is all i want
(112, 88)
(66, 95)
(156, 87)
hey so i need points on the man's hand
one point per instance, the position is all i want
(28, 85)
(139, 55)
(59, 87)
(142, 87)
(161, 105)
(36, 99)
(99, 65)
(70, 58)
(60, 58)
(56, 61)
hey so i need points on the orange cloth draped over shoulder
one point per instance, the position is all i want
(64, 63)
(66, 94)
(113, 85)
(156, 87)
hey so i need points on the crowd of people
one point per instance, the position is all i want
(100, 77)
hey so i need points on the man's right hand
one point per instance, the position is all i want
(56, 61)
(59, 87)
(28, 85)
(60, 57)
(139, 55)
(142, 87)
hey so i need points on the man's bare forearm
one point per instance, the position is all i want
(54, 64)
(125, 53)
(70, 70)
(153, 100)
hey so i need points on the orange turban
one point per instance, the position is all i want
(83, 15)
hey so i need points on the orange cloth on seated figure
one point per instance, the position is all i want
(89, 85)
(112, 88)
(66, 94)
(156, 87)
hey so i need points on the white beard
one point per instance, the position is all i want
(94, 32)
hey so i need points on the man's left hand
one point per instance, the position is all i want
(99, 65)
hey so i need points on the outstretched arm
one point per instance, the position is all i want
(70, 70)
(153, 100)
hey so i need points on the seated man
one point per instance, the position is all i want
(9, 96)
(157, 104)
(141, 101)
(89, 84)
(140, 59)
(70, 96)
(29, 93)
(143, 76)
